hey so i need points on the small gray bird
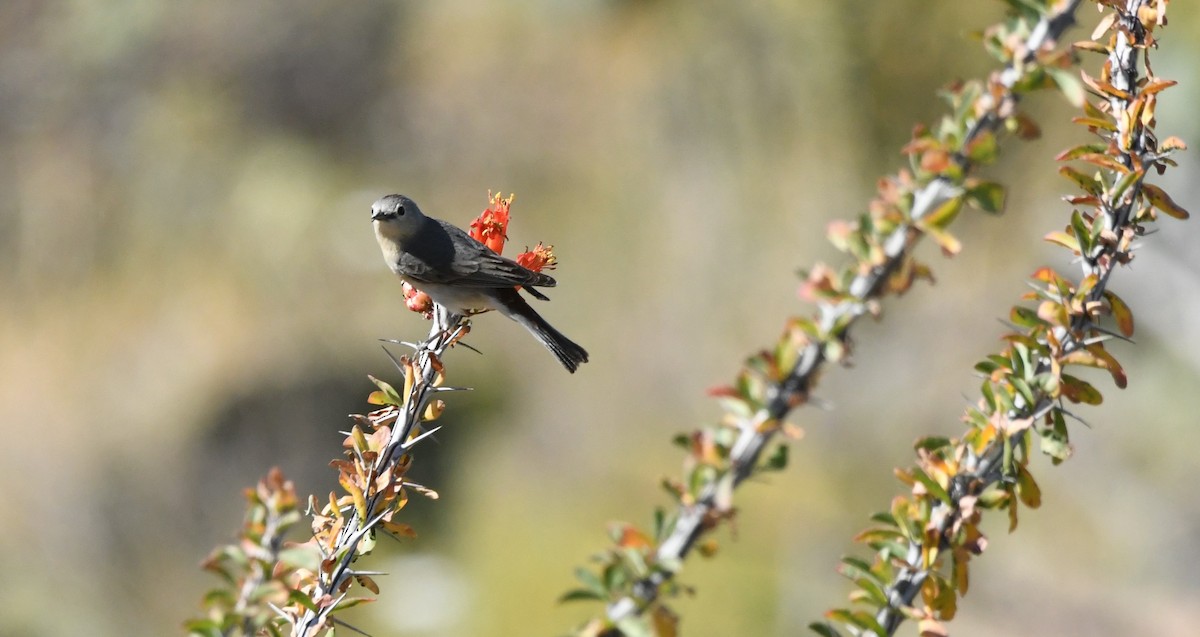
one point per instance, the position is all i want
(461, 274)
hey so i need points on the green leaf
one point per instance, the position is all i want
(856, 567)
(580, 595)
(301, 556)
(388, 397)
(1095, 122)
(1020, 358)
(986, 367)
(1123, 184)
(615, 577)
(942, 216)
(867, 621)
(982, 149)
(636, 562)
(824, 630)
(1055, 442)
(297, 597)
(931, 485)
(873, 590)
(778, 459)
(1022, 388)
(891, 550)
(1006, 460)
(1047, 383)
(989, 395)
(1082, 232)
(1004, 399)
(1025, 317)
(987, 196)
(878, 534)
(1071, 86)
(1087, 183)
(884, 517)
(591, 581)
(1076, 152)
(1078, 390)
(663, 523)
(932, 443)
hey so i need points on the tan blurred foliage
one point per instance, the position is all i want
(190, 293)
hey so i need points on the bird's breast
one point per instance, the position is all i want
(456, 298)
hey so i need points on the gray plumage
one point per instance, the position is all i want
(462, 274)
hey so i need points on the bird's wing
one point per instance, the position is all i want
(488, 269)
(474, 264)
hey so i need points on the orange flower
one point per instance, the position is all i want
(491, 227)
(541, 257)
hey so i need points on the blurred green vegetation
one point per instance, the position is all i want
(190, 293)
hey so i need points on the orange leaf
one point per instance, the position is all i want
(1104, 25)
(1172, 143)
(1088, 45)
(1109, 363)
(1102, 87)
(1104, 161)
(1157, 85)
(633, 538)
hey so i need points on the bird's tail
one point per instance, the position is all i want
(570, 354)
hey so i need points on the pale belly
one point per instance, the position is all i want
(455, 298)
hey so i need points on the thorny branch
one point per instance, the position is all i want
(979, 472)
(332, 583)
(793, 391)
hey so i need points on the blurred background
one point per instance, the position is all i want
(190, 293)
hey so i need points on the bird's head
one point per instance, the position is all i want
(396, 217)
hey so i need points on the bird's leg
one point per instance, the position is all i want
(441, 318)
(445, 322)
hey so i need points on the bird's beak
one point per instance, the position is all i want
(376, 215)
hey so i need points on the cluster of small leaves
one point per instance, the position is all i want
(259, 571)
(924, 543)
(635, 575)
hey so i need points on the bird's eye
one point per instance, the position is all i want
(400, 210)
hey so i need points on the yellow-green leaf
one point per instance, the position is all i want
(1161, 200)
(1027, 488)
(1063, 239)
(1078, 390)
(1086, 182)
(948, 242)
(1121, 313)
(1070, 86)
(389, 393)
(943, 215)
